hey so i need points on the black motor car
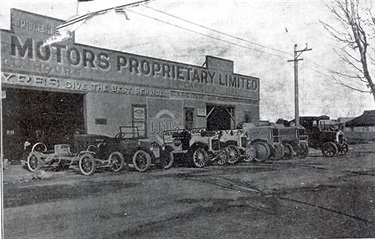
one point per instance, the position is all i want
(135, 150)
(325, 135)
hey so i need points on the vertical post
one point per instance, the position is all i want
(296, 89)
(296, 93)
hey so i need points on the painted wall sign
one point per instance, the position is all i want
(78, 85)
(23, 51)
(164, 115)
(209, 97)
(9, 79)
(64, 60)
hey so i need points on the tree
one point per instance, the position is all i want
(354, 28)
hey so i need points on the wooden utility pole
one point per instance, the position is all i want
(296, 90)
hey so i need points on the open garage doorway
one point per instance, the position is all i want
(220, 117)
(39, 116)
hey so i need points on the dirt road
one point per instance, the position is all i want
(310, 198)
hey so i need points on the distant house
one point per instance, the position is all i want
(343, 120)
(364, 122)
(361, 128)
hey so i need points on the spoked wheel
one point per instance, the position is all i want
(116, 161)
(141, 160)
(329, 149)
(167, 160)
(288, 152)
(222, 157)
(199, 157)
(278, 152)
(234, 154)
(39, 147)
(263, 151)
(249, 154)
(303, 150)
(87, 164)
(33, 162)
(343, 149)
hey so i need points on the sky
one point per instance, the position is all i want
(259, 36)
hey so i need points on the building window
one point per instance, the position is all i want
(140, 119)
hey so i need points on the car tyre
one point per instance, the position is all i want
(116, 161)
(199, 157)
(222, 157)
(278, 152)
(262, 150)
(33, 162)
(303, 150)
(329, 149)
(87, 164)
(288, 152)
(167, 160)
(234, 154)
(343, 149)
(249, 154)
(141, 160)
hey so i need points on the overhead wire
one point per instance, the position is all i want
(225, 34)
(206, 35)
(222, 33)
(214, 30)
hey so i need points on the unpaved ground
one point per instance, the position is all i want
(311, 198)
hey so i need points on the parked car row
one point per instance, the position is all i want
(199, 147)
(246, 143)
(97, 151)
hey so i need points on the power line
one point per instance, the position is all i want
(220, 32)
(235, 37)
(325, 68)
(202, 34)
(232, 36)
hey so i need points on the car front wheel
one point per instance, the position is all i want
(288, 152)
(234, 154)
(329, 149)
(263, 151)
(168, 160)
(277, 152)
(200, 157)
(222, 157)
(303, 150)
(87, 164)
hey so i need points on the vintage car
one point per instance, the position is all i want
(234, 141)
(198, 146)
(62, 156)
(264, 141)
(249, 142)
(135, 150)
(295, 140)
(324, 135)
